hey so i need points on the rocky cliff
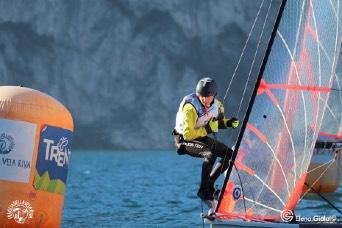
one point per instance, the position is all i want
(122, 67)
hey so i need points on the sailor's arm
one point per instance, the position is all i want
(189, 130)
(224, 122)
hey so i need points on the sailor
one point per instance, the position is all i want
(199, 115)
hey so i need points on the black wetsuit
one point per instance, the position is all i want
(209, 149)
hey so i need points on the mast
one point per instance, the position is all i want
(244, 124)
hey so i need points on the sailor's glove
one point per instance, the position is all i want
(233, 123)
(212, 126)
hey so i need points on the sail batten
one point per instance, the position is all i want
(271, 190)
(286, 112)
(263, 205)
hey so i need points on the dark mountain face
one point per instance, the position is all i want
(122, 67)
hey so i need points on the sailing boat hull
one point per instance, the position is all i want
(330, 180)
(241, 224)
(237, 224)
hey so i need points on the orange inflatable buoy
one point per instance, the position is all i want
(35, 140)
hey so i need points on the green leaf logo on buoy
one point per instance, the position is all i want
(6, 143)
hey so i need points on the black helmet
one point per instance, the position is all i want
(206, 87)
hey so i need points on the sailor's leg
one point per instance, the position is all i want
(207, 186)
(207, 165)
(201, 148)
(225, 153)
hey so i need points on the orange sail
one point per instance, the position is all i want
(283, 121)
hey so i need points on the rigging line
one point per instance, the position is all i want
(332, 114)
(269, 188)
(311, 8)
(337, 29)
(318, 47)
(263, 138)
(333, 9)
(319, 177)
(326, 52)
(254, 58)
(262, 189)
(298, 28)
(337, 42)
(326, 163)
(243, 192)
(292, 54)
(276, 103)
(263, 185)
(318, 120)
(292, 145)
(251, 68)
(222, 166)
(263, 205)
(252, 100)
(335, 56)
(325, 199)
(243, 50)
(316, 134)
(329, 108)
(335, 60)
(334, 63)
(338, 81)
(339, 86)
(202, 214)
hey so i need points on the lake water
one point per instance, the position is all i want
(145, 189)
